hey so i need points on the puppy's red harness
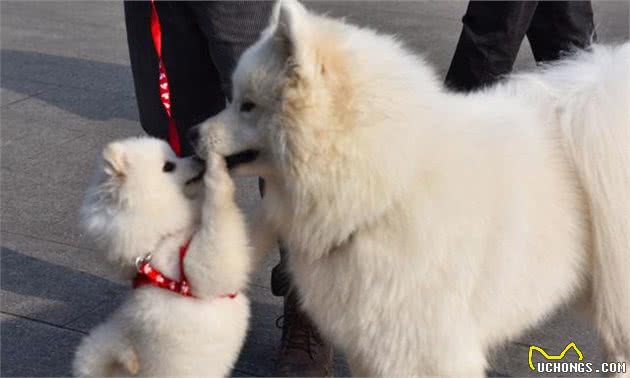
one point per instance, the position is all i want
(149, 275)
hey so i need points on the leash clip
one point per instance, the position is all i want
(141, 260)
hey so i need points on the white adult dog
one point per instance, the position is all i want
(188, 316)
(425, 227)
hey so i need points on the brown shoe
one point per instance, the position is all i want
(303, 352)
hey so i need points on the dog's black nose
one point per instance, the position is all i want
(193, 136)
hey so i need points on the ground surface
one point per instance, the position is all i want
(66, 91)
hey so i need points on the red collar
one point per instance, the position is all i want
(148, 275)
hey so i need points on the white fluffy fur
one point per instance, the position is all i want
(134, 208)
(425, 227)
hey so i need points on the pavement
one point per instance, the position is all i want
(66, 90)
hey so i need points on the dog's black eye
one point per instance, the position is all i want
(247, 106)
(169, 166)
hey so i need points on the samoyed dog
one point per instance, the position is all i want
(425, 227)
(185, 243)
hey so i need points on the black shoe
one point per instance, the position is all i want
(303, 352)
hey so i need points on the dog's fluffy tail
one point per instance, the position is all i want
(594, 114)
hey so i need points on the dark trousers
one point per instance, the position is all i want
(201, 43)
(494, 30)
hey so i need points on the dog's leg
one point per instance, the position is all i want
(218, 259)
(616, 349)
(614, 353)
(106, 352)
(453, 348)
(615, 344)
(613, 322)
(468, 361)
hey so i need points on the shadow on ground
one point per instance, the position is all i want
(48, 76)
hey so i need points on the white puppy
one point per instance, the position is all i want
(426, 227)
(148, 201)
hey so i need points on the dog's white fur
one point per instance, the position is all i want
(134, 208)
(425, 227)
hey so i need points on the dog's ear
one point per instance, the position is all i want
(289, 19)
(275, 15)
(115, 160)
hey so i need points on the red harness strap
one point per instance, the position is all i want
(165, 94)
(148, 275)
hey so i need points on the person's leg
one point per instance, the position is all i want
(560, 26)
(491, 37)
(230, 27)
(195, 85)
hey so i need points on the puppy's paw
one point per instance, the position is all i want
(217, 178)
(129, 360)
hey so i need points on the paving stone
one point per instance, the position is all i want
(60, 254)
(97, 315)
(46, 169)
(26, 90)
(57, 15)
(66, 48)
(66, 71)
(43, 210)
(258, 354)
(35, 349)
(44, 124)
(611, 20)
(26, 131)
(49, 292)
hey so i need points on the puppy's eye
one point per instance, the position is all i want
(247, 106)
(169, 166)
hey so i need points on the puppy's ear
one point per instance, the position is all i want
(115, 160)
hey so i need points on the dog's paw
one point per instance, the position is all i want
(129, 360)
(217, 178)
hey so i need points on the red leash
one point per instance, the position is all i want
(165, 94)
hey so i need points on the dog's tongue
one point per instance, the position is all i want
(240, 158)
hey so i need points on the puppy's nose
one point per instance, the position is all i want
(193, 136)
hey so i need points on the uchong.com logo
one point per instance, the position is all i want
(556, 364)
